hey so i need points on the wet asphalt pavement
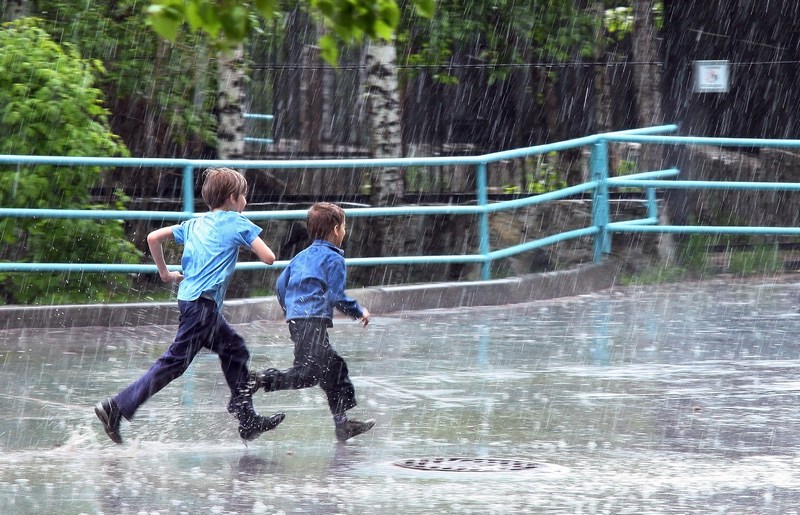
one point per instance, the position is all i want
(648, 399)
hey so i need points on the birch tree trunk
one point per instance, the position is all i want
(230, 104)
(14, 10)
(383, 108)
(386, 183)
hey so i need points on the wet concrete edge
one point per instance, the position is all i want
(381, 300)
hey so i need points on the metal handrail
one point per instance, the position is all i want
(651, 180)
(485, 256)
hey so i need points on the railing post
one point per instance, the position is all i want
(483, 221)
(652, 203)
(188, 189)
(600, 210)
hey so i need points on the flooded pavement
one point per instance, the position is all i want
(651, 399)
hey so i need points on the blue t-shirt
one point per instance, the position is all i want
(210, 249)
(313, 284)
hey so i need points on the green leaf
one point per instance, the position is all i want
(235, 24)
(164, 22)
(266, 8)
(390, 15)
(425, 8)
(194, 15)
(326, 7)
(328, 49)
(383, 31)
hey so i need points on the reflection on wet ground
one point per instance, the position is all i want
(653, 399)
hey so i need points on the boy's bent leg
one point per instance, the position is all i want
(306, 371)
(161, 373)
(341, 397)
(251, 424)
(295, 378)
(335, 382)
(233, 356)
(191, 335)
(232, 352)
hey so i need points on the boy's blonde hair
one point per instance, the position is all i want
(220, 183)
(322, 218)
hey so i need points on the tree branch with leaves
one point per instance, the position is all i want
(227, 23)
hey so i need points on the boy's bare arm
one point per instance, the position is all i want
(154, 241)
(264, 253)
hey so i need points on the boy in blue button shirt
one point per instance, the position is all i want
(211, 245)
(309, 289)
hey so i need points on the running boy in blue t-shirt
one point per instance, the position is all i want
(210, 249)
(308, 291)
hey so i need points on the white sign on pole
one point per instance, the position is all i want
(711, 76)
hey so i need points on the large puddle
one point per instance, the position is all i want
(657, 399)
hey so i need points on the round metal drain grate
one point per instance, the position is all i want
(467, 464)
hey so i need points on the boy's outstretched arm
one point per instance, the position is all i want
(264, 253)
(364, 320)
(336, 280)
(154, 241)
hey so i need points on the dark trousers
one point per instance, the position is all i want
(315, 363)
(201, 325)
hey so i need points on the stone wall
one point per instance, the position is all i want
(736, 207)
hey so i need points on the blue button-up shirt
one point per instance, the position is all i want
(313, 284)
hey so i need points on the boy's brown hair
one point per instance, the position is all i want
(220, 183)
(322, 218)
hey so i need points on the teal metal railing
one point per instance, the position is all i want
(649, 181)
(485, 256)
(261, 118)
(599, 185)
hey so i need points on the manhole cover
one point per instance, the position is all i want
(466, 464)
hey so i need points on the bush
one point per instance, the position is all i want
(49, 106)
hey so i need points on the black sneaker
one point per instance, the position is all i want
(353, 428)
(108, 413)
(254, 426)
(266, 379)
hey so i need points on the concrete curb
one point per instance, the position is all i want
(383, 300)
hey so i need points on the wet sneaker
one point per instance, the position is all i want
(265, 379)
(254, 426)
(108, 413)
(353, 428)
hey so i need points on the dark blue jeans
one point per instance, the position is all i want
(201, 325)
(315, 363)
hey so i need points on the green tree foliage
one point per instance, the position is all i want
(497, 32)
(49, 106)
(228, 23)
(162, 95)
(619, 20)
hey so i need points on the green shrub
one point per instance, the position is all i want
(49, 106)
